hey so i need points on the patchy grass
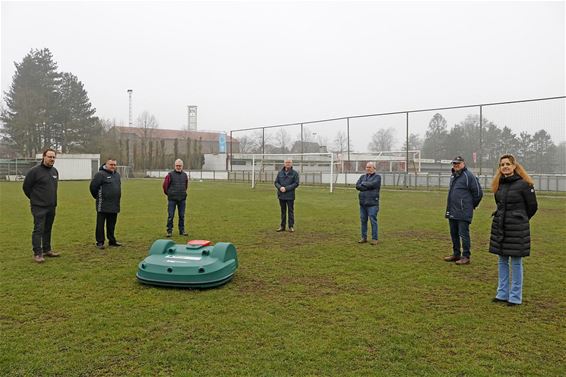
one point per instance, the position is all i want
(311, 303)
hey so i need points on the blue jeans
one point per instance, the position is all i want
(515, 294)
(460, 230)
(370, 212)
(171, 205)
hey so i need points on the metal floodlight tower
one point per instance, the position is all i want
(191, 118)
(130, 122)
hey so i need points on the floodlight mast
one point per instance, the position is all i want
(130, 122)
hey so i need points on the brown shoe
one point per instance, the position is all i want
(51, 254)
(38, 258)
(464, 260)
(374, 242)
(363, 240)
(451, 258)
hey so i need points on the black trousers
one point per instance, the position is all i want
(43, 218)
(287, 206)
(110, 219)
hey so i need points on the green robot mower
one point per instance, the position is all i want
(198, 264)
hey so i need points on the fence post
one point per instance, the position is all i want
(480, 155)
(407, 154)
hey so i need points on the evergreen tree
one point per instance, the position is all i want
(32, 104)
(434, 145)
(78, 125)
(544, 152)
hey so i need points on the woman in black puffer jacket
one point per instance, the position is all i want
(510, 230)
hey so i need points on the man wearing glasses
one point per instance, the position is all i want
(464, 196)
(40, 186)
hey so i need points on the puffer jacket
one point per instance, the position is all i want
(289, 180)
(464, 196)
(106, 188)
(369, 185)
(510, 229)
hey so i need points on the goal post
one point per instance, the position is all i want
(315, 168)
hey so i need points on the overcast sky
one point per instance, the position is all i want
(247, 64)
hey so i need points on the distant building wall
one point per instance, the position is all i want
(75, 166)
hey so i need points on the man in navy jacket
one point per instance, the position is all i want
(286, 182)
(464, 196)
(369, 185)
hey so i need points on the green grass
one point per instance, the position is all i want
(312, 303)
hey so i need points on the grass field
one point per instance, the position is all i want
(312, 303)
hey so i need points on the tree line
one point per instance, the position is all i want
(536, 151)
(45, 108)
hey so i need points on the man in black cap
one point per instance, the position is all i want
(464, 196)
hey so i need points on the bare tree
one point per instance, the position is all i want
(382, 140)
(340, 143)
(248, 144)
(282, 140)
(148, 123)
(415, 143)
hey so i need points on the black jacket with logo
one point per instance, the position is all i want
(105, 187)
(40, 185)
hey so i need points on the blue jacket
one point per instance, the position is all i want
(289, 180)
(369, 185)
(464, 195)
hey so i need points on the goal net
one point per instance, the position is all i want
(314, 168)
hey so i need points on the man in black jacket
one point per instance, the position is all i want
(286, 182)
(369, 185)
(105, 187)
(40, 186)
(464, 196)
(175, 187)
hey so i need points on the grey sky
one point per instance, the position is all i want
(247, 64)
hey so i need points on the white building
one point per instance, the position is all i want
(75, 166)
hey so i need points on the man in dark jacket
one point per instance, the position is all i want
(369, 185)
(286, 182)
(40, 186)
(175, 187)
(106, 188)
(464, 196)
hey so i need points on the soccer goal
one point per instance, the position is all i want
(314, 168)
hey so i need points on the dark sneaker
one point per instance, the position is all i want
(374, 242)
(280, 229)
(100, 246)
(363, 240)
(184, 233)
(51, 254)
(38, 258)
(512, 303)
(451, 258)
(495, 299)
(115, 244)
(464, 260)
(169, 234)
(291, 229)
